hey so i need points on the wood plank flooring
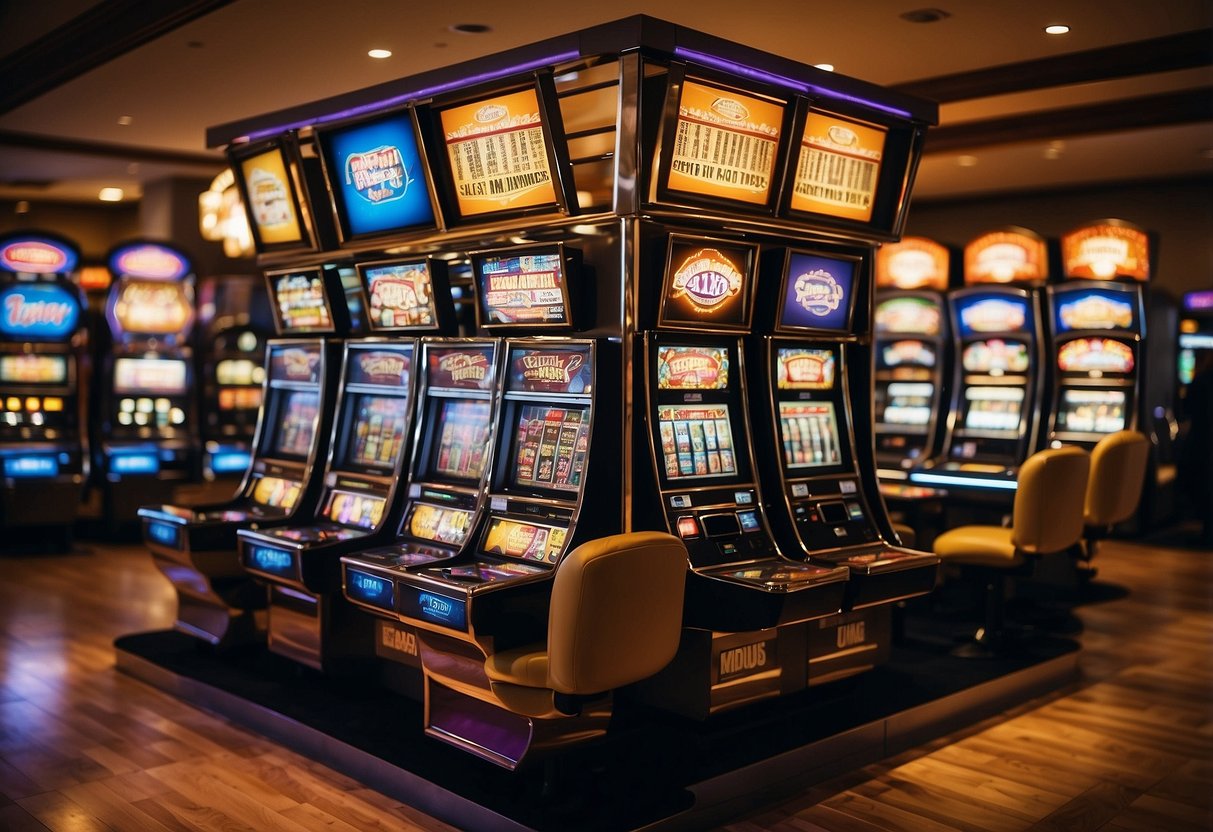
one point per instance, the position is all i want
(83, 747)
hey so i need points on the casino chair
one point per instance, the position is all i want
(1047, 519)
(615, 618)
(1118, 474)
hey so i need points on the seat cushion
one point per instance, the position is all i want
(526, 666)
(978, 546)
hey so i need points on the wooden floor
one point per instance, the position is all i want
(83, 747)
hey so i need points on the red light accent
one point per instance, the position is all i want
(688, 527)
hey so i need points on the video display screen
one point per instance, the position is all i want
(1091, 411)
(302, 301)
(707, 284)
(239, 371)
(838, 167)
(692, 368)
(817, 292)
(353, 509)
(696, 441)
(528, 541)
(271, 200)
(994, 408)
(376, 177)
(523, 288)
(810, 434)
(240, 398)
(441, 524)
(905, 404)
(462, 438)
(993, 313)
(297, 420)
(550, 447)
(802, 368)
(996, 357)
(909, 315)
(379, 425)
(30, 368)
(276, 492)
(1095, 355)
(1095, 309)
(165, 376)
(908, 354)
(400, 295)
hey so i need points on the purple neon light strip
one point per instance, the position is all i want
(770, 77)
(395, 100)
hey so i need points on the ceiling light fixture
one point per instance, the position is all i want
(380, 53)
(966, 161)
(925, 15)
(1057, 29)
(110, 195)
(826, 67)
(126, 121)
(472, 28)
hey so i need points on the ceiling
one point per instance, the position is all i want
(119, 93)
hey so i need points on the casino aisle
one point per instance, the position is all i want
(1127, 746)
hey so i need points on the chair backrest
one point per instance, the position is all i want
(616, 611)
(1048, 514)
(1118, 471)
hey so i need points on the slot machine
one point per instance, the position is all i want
(743, 592)
(146, 428)
(815, 381)
(1097, 349)
(235, 324)
(43, 388)
(1195, 339)
(997, 337)
(196, 546)
(912, 354)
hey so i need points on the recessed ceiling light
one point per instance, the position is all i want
(110, 195)
(826, 67)
(22, 207)
(925, 15)
(472, 28)
(380, 53)
(1057, 29)
(126, 121)
(966, 161)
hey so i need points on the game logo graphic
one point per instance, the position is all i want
(1095, 310)
(295, 363)
(38, 310)
(725, 144)
(707, 284)
(152, 307)
(384, 367)
(1006, 257)
(804, 369)
(982, 313)
(913, 263)
(838, 169)
(551, 371)
(1106, 250)
(817, 292)
(271, 203)
(692, 368)
(1098, 355)
(149, 260)
(910, 315)
(468, 368)
(36, 255)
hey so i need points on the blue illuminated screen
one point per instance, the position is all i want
(268, 559)
(31, 466)
(817, 292)
(227, 462)
(135, 464)
(163, 533)
(38, 310)
(369, 589)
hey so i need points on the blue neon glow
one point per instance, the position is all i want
(969, 482)
(227, 462)
(135, 463)
(369, 589)
(164, 533)
(413, 95)
(780, 80)
(443, 610)
(36, 254)
(38, 310)
(268, 559)
(30, 466)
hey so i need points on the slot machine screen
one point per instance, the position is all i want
(271, 200)
(908, 357)
(240, 398)
(239, 371)
(803, 368)
(523, 287)
(996, 357)
(550, 447)
(906, 404)
(1095, 356)
(1095, 309)
(527, 541)
(462, 435)
(165, 376)
(297, 418)
(1191, 343)
(696, 441)
(993, 408)
(301, 302)
(276, 492)
(817, 292)
(399, 294)
(441, 524)
(349, 508)
(908, 315)
(378, 435)
(809, 431)
(30, 368)
(1091, 411)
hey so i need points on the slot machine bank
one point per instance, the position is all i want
(622, 201)
(43, 393)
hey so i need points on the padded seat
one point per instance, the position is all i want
(1047, 519)
(1118, 474)
(615, 618)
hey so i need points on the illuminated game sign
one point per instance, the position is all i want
(992, 313)
(817, 292)
(151, 307)
(498, 154)
(913, 263)
(995, 357)
(370, 589)
(527, 541)
(271, 201)
(440, 524)
(692, 368)
(725, 144)
(295, 363)
(910, 315)
(37, 254)
(907, 353)
(461, 368)
(351, 509)
(1099, 355)
(276, 492)
(151, 261)
(551, 370)
(526, 287)
(707, 284)
(838, 168)
(383, 367)
(301, 301)
(30, 368)
(1198, 301)
(39, 311)
(399, 294)
(800, 368)
(377, 176)
(1106, 250)
(267, 559)
(1095, 310)
(1009, 256)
